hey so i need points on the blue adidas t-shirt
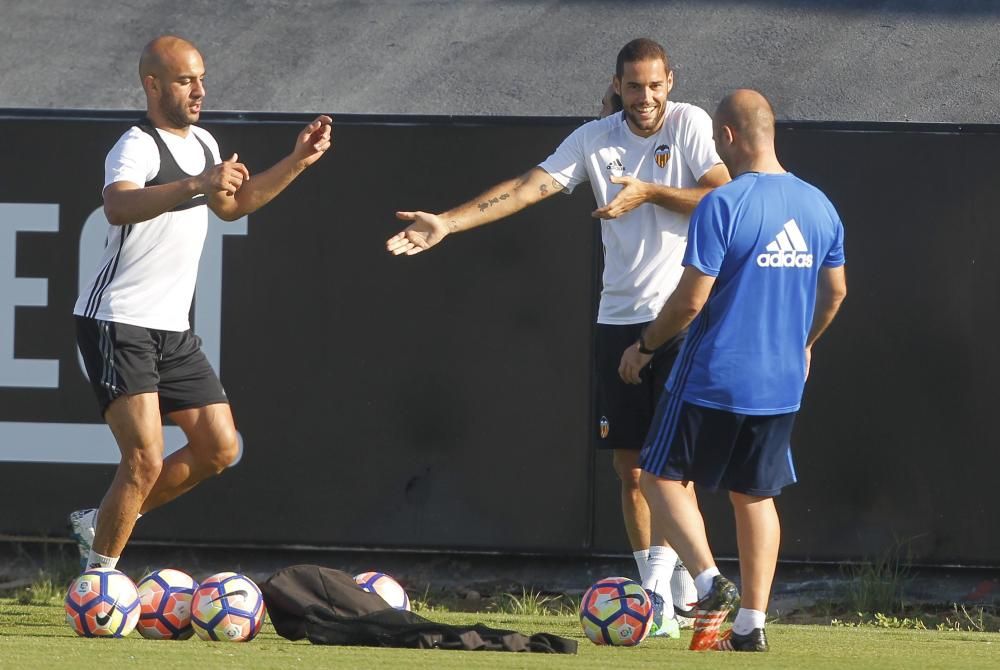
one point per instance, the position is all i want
(764, 237)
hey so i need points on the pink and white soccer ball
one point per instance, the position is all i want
(386, 587)
(102, 602)
(616, 611)
(227, 607)
(165, 596)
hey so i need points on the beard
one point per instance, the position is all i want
(178, 114)
(646, 125)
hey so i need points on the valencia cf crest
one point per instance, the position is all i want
(605, 427)
(661, 155)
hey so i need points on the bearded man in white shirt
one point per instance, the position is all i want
(648, 166)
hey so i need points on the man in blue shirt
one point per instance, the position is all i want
(763, 279)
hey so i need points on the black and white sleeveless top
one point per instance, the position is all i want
(147, 274)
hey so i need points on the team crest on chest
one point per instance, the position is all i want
(661, 155)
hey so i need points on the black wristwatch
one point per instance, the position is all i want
(642, 346)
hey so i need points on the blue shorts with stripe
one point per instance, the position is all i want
(745, 453)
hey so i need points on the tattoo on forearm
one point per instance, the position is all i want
(555, 187)
(483, 206)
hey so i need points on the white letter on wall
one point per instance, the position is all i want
(14, 291)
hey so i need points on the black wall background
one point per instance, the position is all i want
(443, 401)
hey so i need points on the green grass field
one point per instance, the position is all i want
(37, 636)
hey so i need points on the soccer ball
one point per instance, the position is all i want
(385, 586)
(617, 611)
(102, 602)
(227, 606)
(165, 597)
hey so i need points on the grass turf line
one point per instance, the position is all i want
(37, 636)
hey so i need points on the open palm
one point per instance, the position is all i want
(425, 231)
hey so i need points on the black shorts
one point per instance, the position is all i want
(624, 411)
(128, 360)
(745, 453)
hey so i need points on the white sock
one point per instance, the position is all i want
(703, 582)
(746, 620)
(682, 587)
(661, 569)
(96, 560)
(642, 562)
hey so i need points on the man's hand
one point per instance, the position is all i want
(425, 231)
(633, 194)
(809, 357)
(226, 177)
(632, 364)
(313, 141)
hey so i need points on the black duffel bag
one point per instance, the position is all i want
(326, 606)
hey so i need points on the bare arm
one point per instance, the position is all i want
(502, 200)
(683, 305)
(831, 289)
(311, 144)
(126, 203)
(682, 200)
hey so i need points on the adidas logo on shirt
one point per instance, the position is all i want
(788, 250)
(616, 168)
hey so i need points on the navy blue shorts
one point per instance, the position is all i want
(745, 453)
(624, 411)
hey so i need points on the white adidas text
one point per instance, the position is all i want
(788, 250)
(785, 259)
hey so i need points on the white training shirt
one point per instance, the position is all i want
(643, 248)
(147, 274)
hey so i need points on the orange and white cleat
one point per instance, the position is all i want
(711, 611)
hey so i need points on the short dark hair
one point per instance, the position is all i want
(640, 49)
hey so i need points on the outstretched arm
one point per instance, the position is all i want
(831, 289)
(311, 144)
(502, 200)
(683, 200)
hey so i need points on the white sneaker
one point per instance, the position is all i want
(81, 529)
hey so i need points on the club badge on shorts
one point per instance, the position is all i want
(661, 155)
(605, 427)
